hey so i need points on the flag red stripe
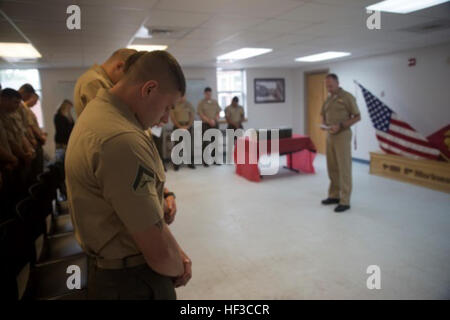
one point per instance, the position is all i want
(402, 124)
(398, 141)
(399, 146)
(394, 152)
(410, 139)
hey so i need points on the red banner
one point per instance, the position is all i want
(441, 140)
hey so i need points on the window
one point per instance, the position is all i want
(15, 78)
(231, 83)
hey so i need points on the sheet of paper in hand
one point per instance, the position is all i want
(156, 131)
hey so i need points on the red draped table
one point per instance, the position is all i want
(300, 152)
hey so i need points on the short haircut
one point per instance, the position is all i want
(333, 76)
(207, 89)
(235, 99)
(26, 90)
(157, 65)
(9, 93)
(132, 59)
(121, 54)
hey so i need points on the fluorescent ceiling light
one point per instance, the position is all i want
(145, 47)
(404, 6)
(243, 53)
(143, 33)
(323, 56)
(17, 51)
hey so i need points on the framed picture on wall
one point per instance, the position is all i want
(269, 90)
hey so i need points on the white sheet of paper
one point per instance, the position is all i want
(323, 126)
(156, 131)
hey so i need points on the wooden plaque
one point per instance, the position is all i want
(426, 173)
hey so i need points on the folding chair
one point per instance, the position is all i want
(16, 254)
(52, 248)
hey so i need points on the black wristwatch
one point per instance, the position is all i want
(168, 194)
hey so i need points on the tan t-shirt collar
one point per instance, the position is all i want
(123, 108)
(100, 70)
(339, 92)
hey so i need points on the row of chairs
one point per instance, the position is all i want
(37, 245)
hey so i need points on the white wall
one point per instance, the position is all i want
(208, 74)
(420, 95)
(263, 115)
(270, 115)
(208, 77)
(57, 84)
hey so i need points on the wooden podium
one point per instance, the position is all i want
(426, 173)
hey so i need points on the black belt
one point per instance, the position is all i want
(127, 262)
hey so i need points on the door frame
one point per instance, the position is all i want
(305, 96)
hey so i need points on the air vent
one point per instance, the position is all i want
(429, 27)
(27, 60)
(161, 32)
(158, 32)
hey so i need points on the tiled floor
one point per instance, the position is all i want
(273, 240)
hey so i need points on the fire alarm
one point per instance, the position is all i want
(411, 62)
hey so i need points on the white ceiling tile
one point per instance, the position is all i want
(185, 50)
(348, 3)
(203, 6)
(36, 11)
(254, 36)
(193, 43)
(45, 28)
(166, 42)
(286, 40)
(209, 35)
(134, 5)
(438, 12)
(331, 29)
(261, 8)
(392, 21)
(205, 29)
(102, 14)
(231, 22)
(320, 12)
(8, 33)
(175, 18)
(276, 25)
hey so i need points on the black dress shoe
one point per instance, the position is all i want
(205, 165)
(341, 208)
(192, 166)
(330, 201)
(175, 167)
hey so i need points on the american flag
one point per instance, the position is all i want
(394, 135)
